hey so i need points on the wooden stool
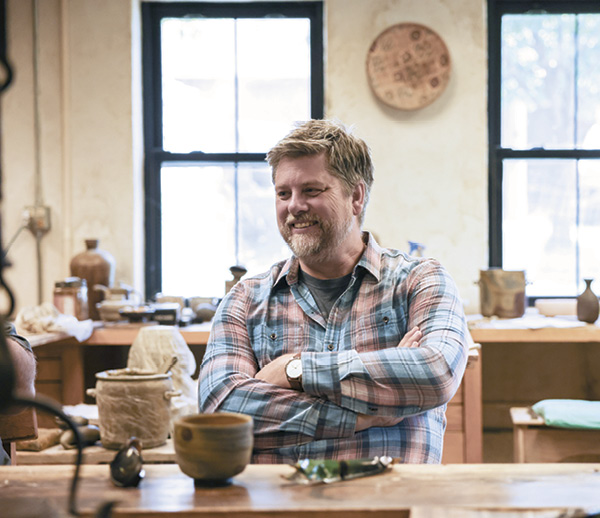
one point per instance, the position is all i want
(536, 442)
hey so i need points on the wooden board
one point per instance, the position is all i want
(92, 455)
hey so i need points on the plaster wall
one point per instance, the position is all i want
(431, 164)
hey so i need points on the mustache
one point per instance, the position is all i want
(292, 220)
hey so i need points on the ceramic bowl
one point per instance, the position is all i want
(213, 448)
(109, 309)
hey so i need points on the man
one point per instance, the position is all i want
(346, 350)
(23, 362)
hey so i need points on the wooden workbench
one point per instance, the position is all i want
(523, 366)
(575, 335)
(261, 491)
(62, 359)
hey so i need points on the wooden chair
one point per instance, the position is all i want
(534, 441)
(18, 427)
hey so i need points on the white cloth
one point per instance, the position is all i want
(152, 350)
(45, 318)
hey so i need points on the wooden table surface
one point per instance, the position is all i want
(261, 491)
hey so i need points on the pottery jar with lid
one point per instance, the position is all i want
(96, 266)
(70, 297)
(133, 403)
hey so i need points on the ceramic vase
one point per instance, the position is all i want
(588, 307)
(96, 266)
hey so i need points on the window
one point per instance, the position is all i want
(223, 82)
(544, 116)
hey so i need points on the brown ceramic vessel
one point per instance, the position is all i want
(213, 448)
(588, 306)
(96, 266)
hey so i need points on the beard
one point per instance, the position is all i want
(321, 243)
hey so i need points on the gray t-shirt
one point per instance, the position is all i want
(325, 291)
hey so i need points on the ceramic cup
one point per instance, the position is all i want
(213, 448)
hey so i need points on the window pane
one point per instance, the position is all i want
(199, 205)
(589, 220)
(198, 229)
(588, 101)
(198, 83)
(539, 224)
(227, 88)
(274, 79)
(260, 242)
(537, 85)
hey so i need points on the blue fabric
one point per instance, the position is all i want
(569, 413)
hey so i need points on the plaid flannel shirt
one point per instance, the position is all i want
(351, 363)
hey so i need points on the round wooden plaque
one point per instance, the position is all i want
(408, 66)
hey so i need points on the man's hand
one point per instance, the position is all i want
(368, 421)
(274, 372)
(411, 338)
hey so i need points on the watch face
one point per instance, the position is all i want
(294, 369)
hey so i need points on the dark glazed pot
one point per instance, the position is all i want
(588, 307)
(96, 266)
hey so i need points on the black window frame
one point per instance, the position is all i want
(496, 9)
(155, 155)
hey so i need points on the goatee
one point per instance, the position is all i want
(320, 244)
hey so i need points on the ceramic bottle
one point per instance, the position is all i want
(588, 307)
(96, 266)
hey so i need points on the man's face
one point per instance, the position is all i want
(314, 213)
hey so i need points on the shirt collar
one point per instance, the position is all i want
(370, 261)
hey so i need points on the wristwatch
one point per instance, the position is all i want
(293, 371)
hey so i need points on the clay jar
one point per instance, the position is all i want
(96, 266)
(133, 403)
(213, 448)
(588, 307)
(502, 293)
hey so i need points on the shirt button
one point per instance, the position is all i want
(386, 320)
(273, 336)
(330, 347)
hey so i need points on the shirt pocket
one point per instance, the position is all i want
(378, 330)
(269, 343)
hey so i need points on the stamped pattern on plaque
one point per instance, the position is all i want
(408, 66)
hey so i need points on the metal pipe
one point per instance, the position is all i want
(39, 202)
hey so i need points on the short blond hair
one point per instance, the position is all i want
(348, 157)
